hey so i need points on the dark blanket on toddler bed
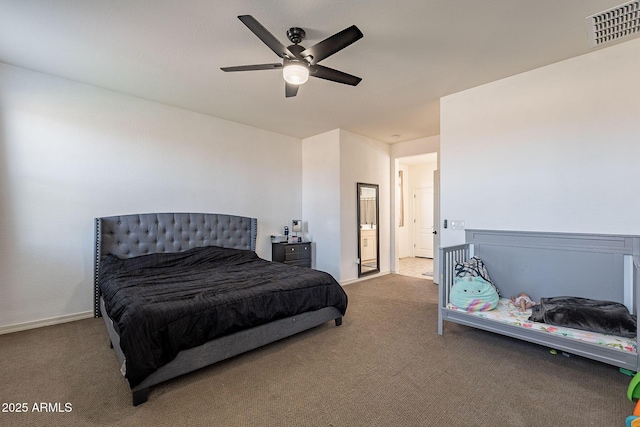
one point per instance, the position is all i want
(163, 303)
(605, 317)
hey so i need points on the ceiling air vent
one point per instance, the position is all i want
(614, 24)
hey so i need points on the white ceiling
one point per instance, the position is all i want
(413, 52)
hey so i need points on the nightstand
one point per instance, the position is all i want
(298, 254)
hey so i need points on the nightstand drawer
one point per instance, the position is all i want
(293, 252)
(300, 263)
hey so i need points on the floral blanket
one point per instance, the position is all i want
(506, 312)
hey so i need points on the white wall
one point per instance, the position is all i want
(553, 149)
(363, 160)
(321, 199)
(70, 152)
(421, 175)
(416, 147)
(333, 163)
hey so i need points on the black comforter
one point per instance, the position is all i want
(605, 317)
(163, 303)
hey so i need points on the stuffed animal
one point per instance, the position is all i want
(632, 421)
(473, 294)
(633, 393)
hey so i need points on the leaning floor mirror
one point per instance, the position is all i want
(368, 233)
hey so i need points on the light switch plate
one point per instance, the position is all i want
(457, 224)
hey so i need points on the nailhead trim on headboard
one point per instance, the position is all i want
(128, 236)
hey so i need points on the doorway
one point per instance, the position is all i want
(416, 241)
(421, 268)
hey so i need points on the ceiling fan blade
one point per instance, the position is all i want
(335, 75)
(333, 44)
(290, 90)
(252, 67)
(266, 37)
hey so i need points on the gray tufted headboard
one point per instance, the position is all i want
(128, 236)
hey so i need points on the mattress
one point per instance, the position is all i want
(508, 313)
(161, 304)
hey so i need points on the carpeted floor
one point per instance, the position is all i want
(385, 366)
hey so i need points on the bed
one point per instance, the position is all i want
(545, 264)
(180, 291)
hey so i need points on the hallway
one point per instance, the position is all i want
(417, 267)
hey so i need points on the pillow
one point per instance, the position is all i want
(474, 268)
(473, 293)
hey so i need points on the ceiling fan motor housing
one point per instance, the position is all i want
(296, 35)
(297, 50)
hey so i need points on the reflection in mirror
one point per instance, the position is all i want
(368, 234)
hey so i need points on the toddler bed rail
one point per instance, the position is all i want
(542, 264)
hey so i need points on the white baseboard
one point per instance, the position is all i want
(360, 279)
(17, 327)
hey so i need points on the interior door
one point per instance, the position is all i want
(423, 217)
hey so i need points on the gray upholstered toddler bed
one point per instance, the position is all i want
(598, 267)
(180, 291)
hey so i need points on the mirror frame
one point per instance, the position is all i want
(359, 187)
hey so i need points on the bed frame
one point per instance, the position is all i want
(603, 267)
(139, 234)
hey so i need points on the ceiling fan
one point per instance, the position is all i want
(299, 63)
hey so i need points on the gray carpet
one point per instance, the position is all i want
(385, 366)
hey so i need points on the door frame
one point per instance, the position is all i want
(436, 226)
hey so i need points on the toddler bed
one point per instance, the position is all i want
(598, 267)
(180, 291)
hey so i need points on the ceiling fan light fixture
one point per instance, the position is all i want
(295, 73)
(298, 62)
